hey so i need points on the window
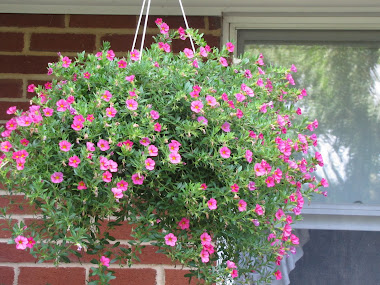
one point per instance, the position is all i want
(338, 61)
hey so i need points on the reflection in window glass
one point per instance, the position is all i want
(342, 79)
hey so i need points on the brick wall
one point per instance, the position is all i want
(27, 43)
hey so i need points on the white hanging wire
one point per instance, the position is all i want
(138, 26)
(187, 25)
(146, 23)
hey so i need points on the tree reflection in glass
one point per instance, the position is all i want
(342, 80)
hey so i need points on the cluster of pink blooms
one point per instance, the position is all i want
(24, 242)
(174, 156)
(207, 247)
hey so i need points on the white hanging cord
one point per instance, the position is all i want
(187, 25)
(144, 32)
(138, 26)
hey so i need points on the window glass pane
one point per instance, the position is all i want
(341, 73)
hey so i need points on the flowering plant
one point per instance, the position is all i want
(205, 157)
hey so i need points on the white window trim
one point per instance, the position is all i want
(316, 216)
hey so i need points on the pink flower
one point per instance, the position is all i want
(234, 273)
(205, 256)
(170, 239)
(24, 142)
(205, 239)
(293, 68)
(248, 74)
(90, 117)
(181, 32)
(248, 155)
(251, 186)
(122, 63)
(235, 188)
(225, 152)
(231, 265)
(48, 112)
(111, 112)
(131, 104)
(230, 47)
(212, 204)
(279, 214)
(224, 97)
(174, 146)
(62, 105)
(21, 242)
(164, 46)
(74, 161)
(145, 141)
(123, 185)
(11, 110)
(223, 61)
(211, 101)
(319, 158)
(174, 157)
(184, 224)
(31, 88)
(157, 127)
(130, 78)
(196, 106)
(5, 146)
(270, 181)
(107, 176)
(259, 169)
(107, 96)
(90, 146)
(153, 150)
(103, 145)
(86, 75)
(31, 242)
(82, 185)
(195, 63)
(203, 52)
(154, 114)
(226, 127)
(138, 179)
(202, 120)
(64, 146)
(164, 28)
(158, 21)
(294, 239)
(135, 55)
(188, 53)
(117, 193)
(104, 261)
(203, 186)
(149, 164)
(239, 114)
(259, 210)
(239, 97)
(242, 206)
(278, 275)
(324, 182)
(56, 177)
(66, 62)
(110, 55)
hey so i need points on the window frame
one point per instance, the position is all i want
(316, 215)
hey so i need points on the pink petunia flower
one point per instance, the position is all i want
(174, 157)
(104, 261)
(21, 242)
(242, 205)
(205, 256)
(103, 145)
(131, 104)
(225, 152)
(76, 125)
(117, 193)
(205, 239)
(74, 161)
(138, 179)
(122, 63)
(174, 146)
(188, 53)
(211, 101)
(154, 114)
(184, 224)
(111, 112)
(86, 75)
(135, 55)
(259, 210)
(11, 110)
(145, 141)
(149, 164)
(203, 186)
(223, 61)
(170, 239)
(110, 55)
(90, 146)
(123, 185)
(64, 146)
(130, 78)
(48, 112)
(157, 127)
(107, 96)
(62, 105)
(164, 28)
(212, 204)
(234, 273)
(202, 120)
(90, 117)
(278, 275)
(24, 142)
(196, 106)
(235, 188)
(82, 185)
(31, 88)
(226, 127)
(231, 265)
(56, 177)
(153, 150)
(5, 146)
(293, 68)
(66, 62)
(107, 176)
(31, 242)
(230, 47)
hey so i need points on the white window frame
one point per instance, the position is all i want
(316, 216)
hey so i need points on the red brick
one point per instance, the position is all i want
(5, 105)
(25, 64)
(174, 22)
(149, 256)
(7, 275)
(32, 20)
(62, 42)
(10, 88)
(52, 276)
(18, 200)
(129, 276)
(103, 21)
(119, 232)
(119, 42)
(4, 228)
(9, 253)
(176, 277)
(11, 41)
(214, 23)
(212, 41)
